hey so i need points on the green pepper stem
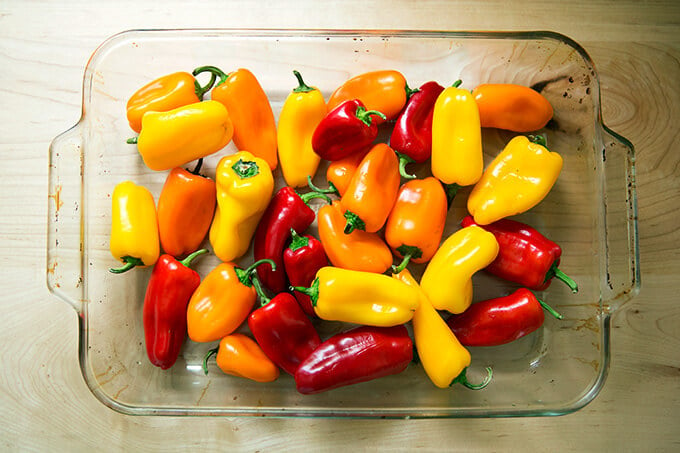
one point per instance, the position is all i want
(403, 161)
(245, 276)
(549, 309)
(245, 169)
(210, 353)
(539, 140)
(213, 70)
(297, 241)
(354, 222)
(408, 252)
(302, 87)
(312, 291)
(130, 262)
(197, 168)
(365, 115)
(410, 91)
(201, 90)
(311, 195)
(131, 141)
(331, 187)
(264, 299)
(557, 273)
(462, 379)
(457, 83)
(451, 191)
(189, 259)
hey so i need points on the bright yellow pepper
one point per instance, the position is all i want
(304, 108)
(515, 181)
(134, 227)
(361, 297)
(173, 138)
(456, 138)
(447, 281)
(244, 188)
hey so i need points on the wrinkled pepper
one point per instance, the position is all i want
(302, 111)
(250, 111)
(164, 313)
(358, 355)
(244, 189)
(516, 180)
(134, 227)
(447, 280)
(500, 320)
(361, 297)
(512, 107)
(525, 256)
(239, 355)
(186, 207)
(302, 260)
(340, 172)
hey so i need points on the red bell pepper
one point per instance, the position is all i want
(164, 315)
(345, 130)
(525, 256)
(287, 210)
(358, 355)
(302, 259)
(501, 320)
(412, 134)
(283, 331)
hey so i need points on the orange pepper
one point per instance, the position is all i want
(512, 107)
(239, 355)
(359, 250)
(416, 223)
(340, 172)
(372, 190)
(385, 91)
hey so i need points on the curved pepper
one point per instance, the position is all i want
(416, 222)
(302, 111)
(302, 260)
(372, 190)
(516, 180)
(447, 280)
(173, 138)
(512, 107)
(186, 207)
(361, 297)
(359, 250)
(244, 189)
(385, 91)
(443, 357)
(340, 172)
(134, 227)
(239, 355)
(358, 355)
(249, 109)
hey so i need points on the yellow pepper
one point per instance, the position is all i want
(361, 297)
(447, 280)
(244, 188)
(304, 108)
(442, 356)
(134, 227)
(456, 138)
(173, 138)
(515, 181)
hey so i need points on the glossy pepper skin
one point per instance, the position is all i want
(302, 111)
(447, 280)
(525, 256)
(385, 91)
(512, 107)
(250, 111)
(515, 181)
(358, 250)
(284, 332)
(244, 188)
(358, 355)
(456, 138)
(500, 320)
(186, 207)
(302, 260)
(361, 297)
(173, 138)
(417, 220)
(340, 172)
(239, 355)
(170, 287)
(372, 190)
(134, 227)
(347, 129)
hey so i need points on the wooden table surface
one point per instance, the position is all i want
(44, 402)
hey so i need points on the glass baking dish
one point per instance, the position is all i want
(591, 212)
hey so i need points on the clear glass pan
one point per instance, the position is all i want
(591, 212)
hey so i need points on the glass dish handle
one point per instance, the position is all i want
(64, 271)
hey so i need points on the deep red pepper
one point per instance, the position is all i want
(345, 130)
(501, 320)
(287, 210)
(283, 331)
(164, 315)
(525, 256)
(302, 259)
(358, 355)
(412, 133)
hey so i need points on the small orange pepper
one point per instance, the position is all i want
(239, 355)
(340, 172)
(512, 107)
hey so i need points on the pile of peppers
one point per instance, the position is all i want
(374, 219)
